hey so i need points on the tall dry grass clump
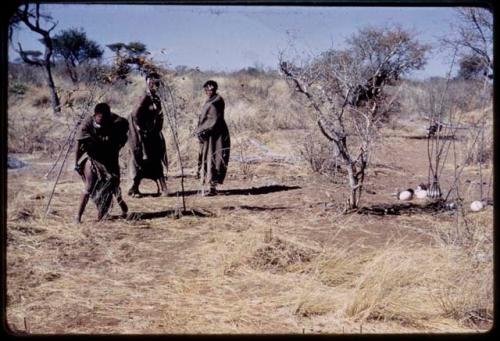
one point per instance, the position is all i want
(414, 286)
(418, 287)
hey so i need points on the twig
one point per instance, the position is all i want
(173, 129)
(26, 325)
(57, 178)
(70, 145)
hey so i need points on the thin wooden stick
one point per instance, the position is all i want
(60, 153)
(173, 129)
(202, 171)
(57, 178)
(70, 145)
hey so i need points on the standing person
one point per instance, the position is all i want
(146, 141)
(214, 139)
(99, 141)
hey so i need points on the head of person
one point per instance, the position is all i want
(102, 112)
(210, 88)
(153, 81)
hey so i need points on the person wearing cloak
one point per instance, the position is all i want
(148, 152)
(213, 135)
(99, 141)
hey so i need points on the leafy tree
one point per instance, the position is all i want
(116, 47)
(136, 49)
(75, 48)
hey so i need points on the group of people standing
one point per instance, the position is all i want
(104, 134)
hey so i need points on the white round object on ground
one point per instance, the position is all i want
(476, 206)
(405, 195)
(420, 193)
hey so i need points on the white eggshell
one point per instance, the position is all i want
(405, 195)
(420, 194)
(476, 206)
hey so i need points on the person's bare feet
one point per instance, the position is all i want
(134, 192)
(212, 192)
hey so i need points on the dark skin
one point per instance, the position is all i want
(153, 88)
(90, 179)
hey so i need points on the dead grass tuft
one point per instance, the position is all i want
(23, 213)
(279, 255)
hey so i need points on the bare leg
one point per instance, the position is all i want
(84, 199)
(134, 190)
(121, 202)
(213, 189)
(163, 185)
(89, 180)
(157, 187)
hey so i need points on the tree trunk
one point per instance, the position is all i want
(72, 72)
(56, 105)
(354, 185)
(24, 15)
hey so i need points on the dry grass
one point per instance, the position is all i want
(230, 274)
(259, 260)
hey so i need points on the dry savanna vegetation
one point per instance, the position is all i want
(279, 250)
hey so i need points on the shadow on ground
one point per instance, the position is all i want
(441, 137)
(255, 208)
(242, 191)
(406, 208)
(195, 212)
(145, 194)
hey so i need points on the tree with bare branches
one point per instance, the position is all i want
(473, 44)
(474, 39)
(352, 92)
(32, 18)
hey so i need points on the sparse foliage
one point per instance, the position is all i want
(32, 18)
(350, 92)
(136, 48)
(126, 55)
(474, 39)
(473, 43)
(75, 48)
(472, 67)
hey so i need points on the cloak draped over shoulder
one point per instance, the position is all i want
(101, 147)
(214, 139)
(148, 153)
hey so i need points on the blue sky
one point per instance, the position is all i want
(232, 37)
